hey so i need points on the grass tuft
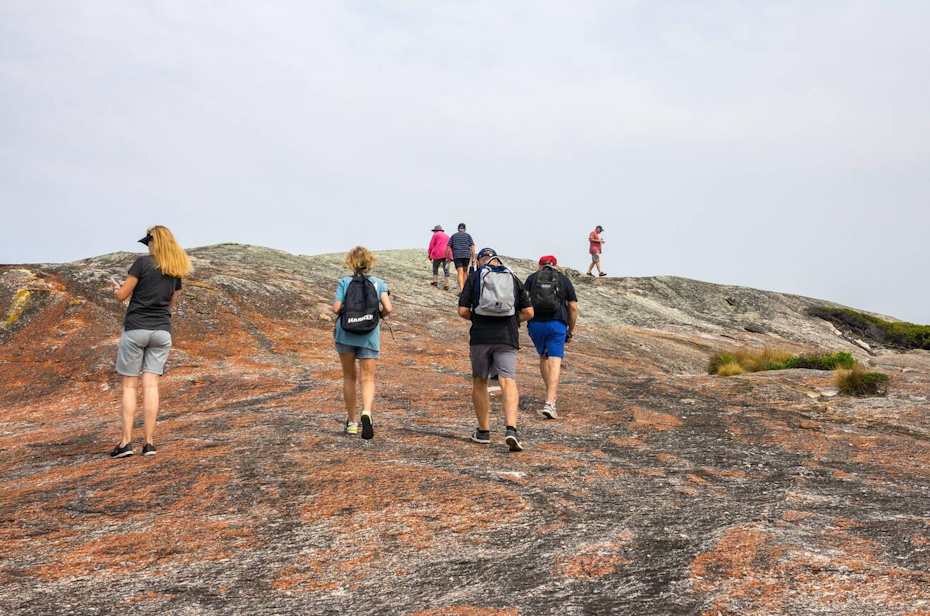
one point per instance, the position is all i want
(746, 360)
(858, 382)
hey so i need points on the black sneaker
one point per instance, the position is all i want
(590, 274)
(367, 431)
(481, 436)
(149, 449)
(512, 441)
(602, 274)
(122, 452)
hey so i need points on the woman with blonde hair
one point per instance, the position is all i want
(152, 287)
(361, 300)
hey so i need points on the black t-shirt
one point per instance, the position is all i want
(150, 301)
(568, 295)
(494, 330)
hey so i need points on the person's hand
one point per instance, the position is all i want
(568, 337)
(114, 283)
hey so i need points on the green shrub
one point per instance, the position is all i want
(895, 334)
(858, 382)
(831, 361)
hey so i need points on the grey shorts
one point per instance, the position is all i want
(595, 257)
(490, 359)
(359, 352)
(445, 267)
(142, 350)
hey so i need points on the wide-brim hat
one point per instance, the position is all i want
(438, 228)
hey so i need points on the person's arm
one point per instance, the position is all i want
(386, 307)
(572, 318)
(123, 292)
(473, 259)
(526, 314)
(340, 295)
(464, 304)
(465, 312)
(174, 300)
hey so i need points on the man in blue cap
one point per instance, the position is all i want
(495, 301)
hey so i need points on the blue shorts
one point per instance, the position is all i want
(549, 337)
(359, 352)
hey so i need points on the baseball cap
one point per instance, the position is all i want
(487, 252)
(461, 225)
(550, 258)
(599, 227)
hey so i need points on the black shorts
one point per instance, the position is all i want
(462, 263)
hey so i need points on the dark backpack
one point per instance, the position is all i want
(360, 310)
(546, 293)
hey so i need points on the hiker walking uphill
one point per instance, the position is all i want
(361, 301)
(463, 253)
(555, 313)
(495, 302)
(152, 288)
(595, 242)
(440, 254)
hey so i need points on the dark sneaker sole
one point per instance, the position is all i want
(513, 443)
(367, 431)
(479, 441)
(548, 414)
(125, 454)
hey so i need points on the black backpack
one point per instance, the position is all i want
(360, 310)
(546, 293)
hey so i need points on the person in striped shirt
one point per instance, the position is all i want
(463, 253)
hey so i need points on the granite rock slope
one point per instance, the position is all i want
(660, 490)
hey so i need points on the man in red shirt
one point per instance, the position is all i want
(595, 240)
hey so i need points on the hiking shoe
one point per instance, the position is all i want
(122, 452)
(548, 411)
(590, 274)
(512, 441)
(445, 288)
(434, 284)
(367, 431)
(351, 428)
(481, 436)
(149, 449)
(602, 274)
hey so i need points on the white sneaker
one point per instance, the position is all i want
(548, 411)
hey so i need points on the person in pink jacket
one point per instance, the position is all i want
(440, 254)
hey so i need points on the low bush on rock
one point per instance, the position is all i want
(858, 382)
(730, 363)
(890, 333)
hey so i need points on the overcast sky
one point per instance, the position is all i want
(778, 145)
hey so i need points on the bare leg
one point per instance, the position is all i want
(463, 275)
(479, 395)
(367, 378)
(554, 368)
(149, 404)
(436, 278)
(130, 392)
(348, 383)
(544, 371)
(511, 400)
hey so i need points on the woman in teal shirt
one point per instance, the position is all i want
(366, 348)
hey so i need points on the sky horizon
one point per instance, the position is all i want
(781, 147)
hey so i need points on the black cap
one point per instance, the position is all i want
(462, 225)
(145, 240)
(599, 227)
(487, 252)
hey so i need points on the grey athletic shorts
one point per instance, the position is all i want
(142, 350)
(445, 267)
(595, 257)
(488, 359)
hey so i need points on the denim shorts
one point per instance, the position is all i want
(359, 352)
(549, 337)
(142, 350)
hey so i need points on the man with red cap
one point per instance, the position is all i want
(555, 313)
